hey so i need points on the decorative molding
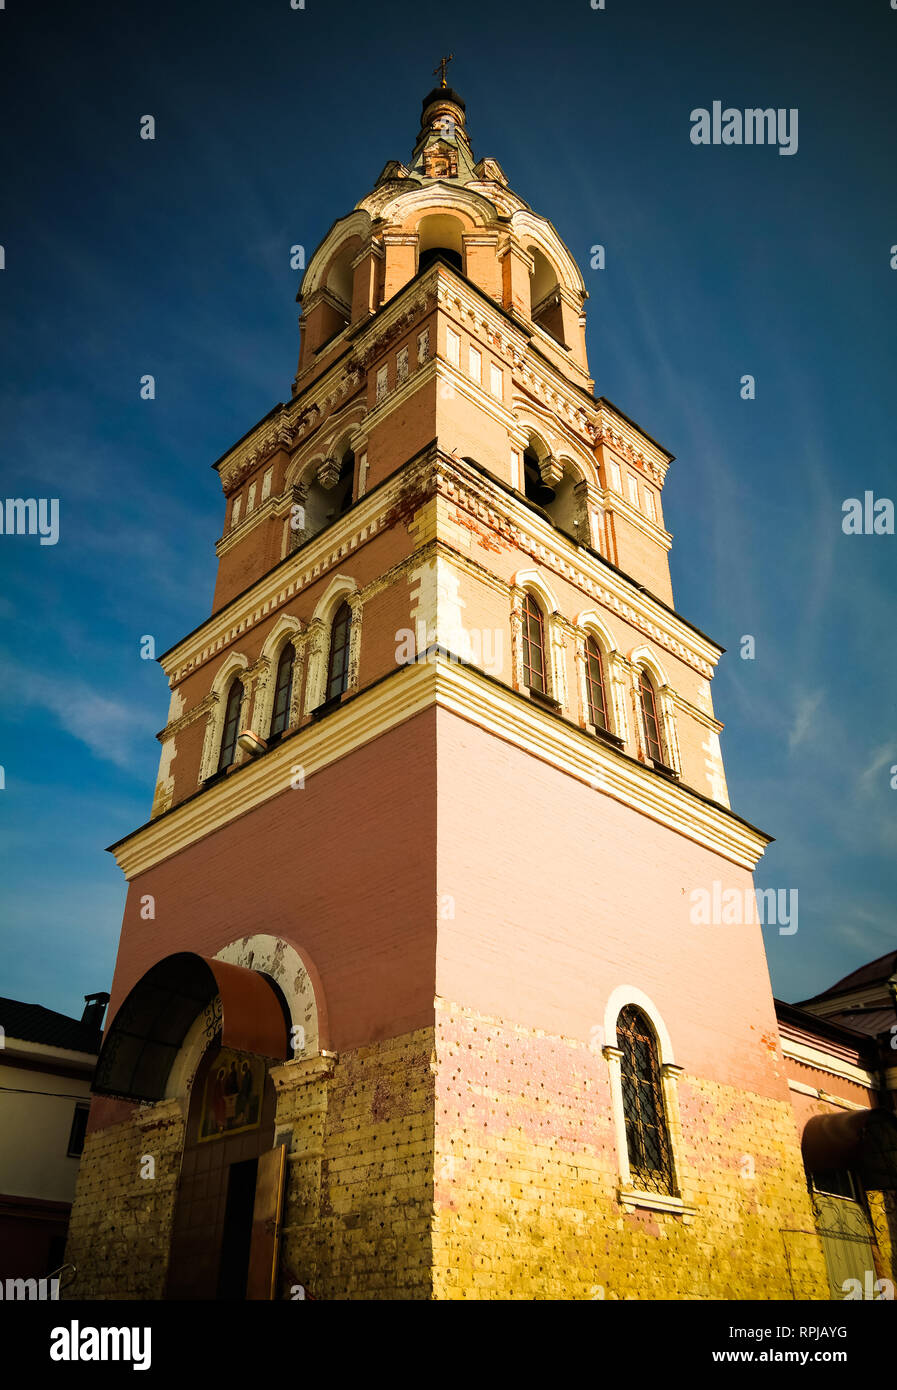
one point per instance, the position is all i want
(485, 703)
(834, 1066)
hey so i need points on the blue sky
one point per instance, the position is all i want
(126, 256)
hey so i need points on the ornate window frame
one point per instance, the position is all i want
(236, 666)
(530, 581)
(628, 1194)
(287, 631)
(341, 589)
(591, 625)
(642, 658)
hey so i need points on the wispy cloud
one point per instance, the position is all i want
(871, 779)
(111, 729)
(802, 727)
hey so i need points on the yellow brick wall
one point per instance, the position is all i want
(526, 1180)
(121, 1221)
(477, 1162)
(360, 1187)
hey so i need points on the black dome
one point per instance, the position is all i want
(443, 94)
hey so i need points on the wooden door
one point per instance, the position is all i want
(267, 1217)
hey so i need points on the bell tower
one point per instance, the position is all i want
(409, 1001)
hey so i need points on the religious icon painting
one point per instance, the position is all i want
(232, 1098)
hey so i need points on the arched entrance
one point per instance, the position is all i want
(205, 1032)
(230, 1126)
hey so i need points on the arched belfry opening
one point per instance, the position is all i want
(324, 494)
(545, 296)
(557, 490)
(440, 236)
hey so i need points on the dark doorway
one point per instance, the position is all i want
(237, 1234)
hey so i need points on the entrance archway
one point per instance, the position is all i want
(229, 1127)
(203, 1032)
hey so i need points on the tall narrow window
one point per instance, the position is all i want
(595, 685)
(231, 726)
(533, 645)
(649, 710)
(283, 690)
(338, 663)
(647, 1136)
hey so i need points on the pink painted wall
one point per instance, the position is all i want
(562, 894)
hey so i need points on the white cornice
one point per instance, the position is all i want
(824, 1061)
(816, 1094)
(481, 498)
(520, 722)
(471, 696)
(626, 439)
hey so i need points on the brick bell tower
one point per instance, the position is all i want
(408, 1000)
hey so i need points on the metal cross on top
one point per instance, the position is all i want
(441, 67)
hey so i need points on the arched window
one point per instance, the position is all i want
(535, 490)
(595, 685)
(338, 661)
(231, 726)
(283, 690)
(346, 480)
(533, 633)
(651, 717)
(647, 1135)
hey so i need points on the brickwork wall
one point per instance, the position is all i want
(121, 1221)
(526, 1178)
(360, 1191)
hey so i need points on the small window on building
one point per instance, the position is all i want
(381, 384)
(533, 645)
(402, 366)
(250, 498)
(633, 490)
(453, 347)
(613, 476)
(836, 1183)
(266, 483)
(647, 1136)
(78, 1131)
(235, 511)
(338, 661)
(496, 382)
(283, 690)
(231, 726)
(475, 364)
(595, 685)
(423, 345)
(650, 504)
(652, 722)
